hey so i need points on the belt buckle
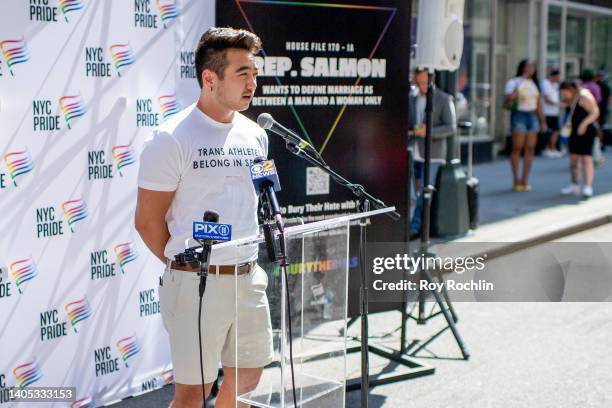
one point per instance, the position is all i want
(242, 265)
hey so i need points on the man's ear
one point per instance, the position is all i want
(209, 79)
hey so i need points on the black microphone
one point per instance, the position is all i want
(265, 180)
(209, 216)
(267, 122)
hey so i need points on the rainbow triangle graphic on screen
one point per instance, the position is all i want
(391, 11)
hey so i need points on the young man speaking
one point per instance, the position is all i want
(196, 161)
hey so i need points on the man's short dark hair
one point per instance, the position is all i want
(211, 50)
(419, 70)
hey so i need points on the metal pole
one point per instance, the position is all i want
(365, 364)
(427, 188)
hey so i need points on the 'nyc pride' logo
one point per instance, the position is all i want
(41, 10)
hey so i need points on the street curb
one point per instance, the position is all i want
(500, 249)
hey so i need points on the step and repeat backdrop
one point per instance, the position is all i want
(82, 84)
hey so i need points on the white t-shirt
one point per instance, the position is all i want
(207, 164)
(528, 93)
(550, 90)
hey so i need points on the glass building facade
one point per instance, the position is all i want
(568, 35)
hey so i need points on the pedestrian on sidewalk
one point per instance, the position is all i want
(550, 94)
(522, 98)
(588, 82)
(583, 113)
(444, 126)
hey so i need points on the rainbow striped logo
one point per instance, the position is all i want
(123, 155)
(18, 163)
(168, 105)
(168, 10)
(14, 52)
(27, 374)
(78, 311)
(168, 376)
(23, 270)
(128, 348)
(70, 5)
(74, 210)
(86, 402)
(125, 254)
(122, 56)
(72, 107)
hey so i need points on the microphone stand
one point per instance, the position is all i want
(424, 272)
(366, 200)
(270, 218)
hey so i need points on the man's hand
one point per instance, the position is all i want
(582, 128)
(419, 131)
(150, 219)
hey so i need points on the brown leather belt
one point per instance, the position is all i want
(241, 269)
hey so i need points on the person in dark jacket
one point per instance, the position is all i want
(444, 126)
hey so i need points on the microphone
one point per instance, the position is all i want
(211, 217)
(205, 233)
(267, 122)
(265, 180)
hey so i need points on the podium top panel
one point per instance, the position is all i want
(316, 226)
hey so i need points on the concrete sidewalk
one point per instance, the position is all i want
(511, 220)
(498, 202)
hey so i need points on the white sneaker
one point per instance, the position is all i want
(548, 154)
(557, 154)
(587, 191)
(572, 189)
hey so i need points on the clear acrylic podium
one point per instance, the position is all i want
(318, 264)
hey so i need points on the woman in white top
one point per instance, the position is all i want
(522, 97)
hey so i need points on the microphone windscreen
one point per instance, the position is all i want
(265, 121)
(211, 216)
